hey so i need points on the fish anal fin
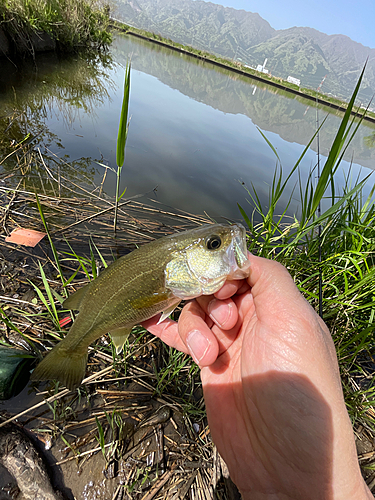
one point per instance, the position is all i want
(74, 301)
(60, 364)
(168, 311)
(119, 337)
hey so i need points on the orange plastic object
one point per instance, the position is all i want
(27, 237)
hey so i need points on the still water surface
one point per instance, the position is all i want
(193, 140)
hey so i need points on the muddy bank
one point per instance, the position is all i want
(25, 465)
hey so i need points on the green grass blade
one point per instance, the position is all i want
(246, 218)
(269, 143)
(100, 255)
(123, 125)
(8, 322)
(328, 213)
(48, 291)
(331, 163)
(53, 248)
(121, 139)
(43, 300)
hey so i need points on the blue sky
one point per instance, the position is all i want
(354, 18)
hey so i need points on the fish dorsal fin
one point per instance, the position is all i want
(168, 311)
(74, 301)
(119, 336)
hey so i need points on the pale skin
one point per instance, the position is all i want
(272, 388)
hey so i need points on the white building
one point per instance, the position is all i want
(296, 81)
(262, 67)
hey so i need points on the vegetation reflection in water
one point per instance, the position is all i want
(74, 86)
(291, 117)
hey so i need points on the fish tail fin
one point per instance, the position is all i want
(63, 365)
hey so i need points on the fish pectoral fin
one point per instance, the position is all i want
(168, 311)
(119, 336)
(74, 301)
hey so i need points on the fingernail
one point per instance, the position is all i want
(198, 345)
(219, 311)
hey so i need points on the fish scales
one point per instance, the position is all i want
(117, 297)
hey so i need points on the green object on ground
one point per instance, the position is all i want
(14, 371)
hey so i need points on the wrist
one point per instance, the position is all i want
(358, 490)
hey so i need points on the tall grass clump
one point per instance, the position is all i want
(331, 257)
(73, 24)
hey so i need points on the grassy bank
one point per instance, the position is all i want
(71, 24)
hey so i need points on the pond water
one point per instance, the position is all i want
(194, 141)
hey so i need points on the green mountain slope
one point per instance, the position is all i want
(292, 54)
(311, 55)
(202, 24)
(303, 53)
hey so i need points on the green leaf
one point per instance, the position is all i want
(121, 139)
(122, 194)
(53, 248)
(123, 125)
(270, 144)
(244, 215)
(331, 163)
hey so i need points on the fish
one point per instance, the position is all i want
(150, 280)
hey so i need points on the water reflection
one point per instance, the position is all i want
(291, 117)
(32, 98)
(193, 139)
(198, 124)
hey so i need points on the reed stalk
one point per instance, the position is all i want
(121, 140)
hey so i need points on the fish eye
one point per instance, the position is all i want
(213, 242)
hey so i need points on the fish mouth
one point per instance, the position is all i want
(237, 253)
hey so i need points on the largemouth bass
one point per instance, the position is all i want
(152, 279)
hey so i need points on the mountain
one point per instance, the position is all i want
(206, 25)
(304, 53)
(310, 55)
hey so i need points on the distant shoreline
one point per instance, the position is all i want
(122, 26)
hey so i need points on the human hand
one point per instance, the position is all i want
(272, 388)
